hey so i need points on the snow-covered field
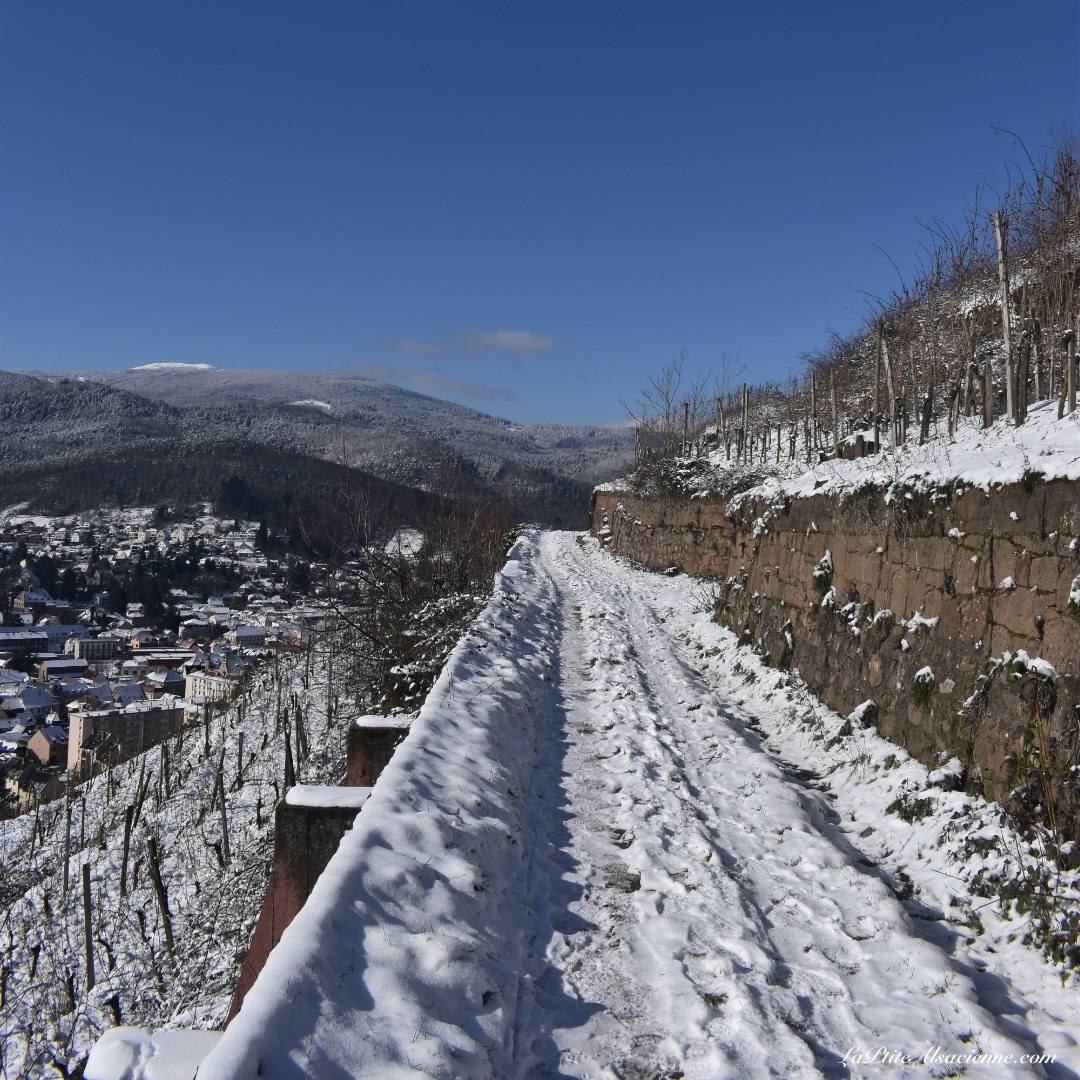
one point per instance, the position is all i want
(614, 845)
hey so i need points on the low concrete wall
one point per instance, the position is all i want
(990, 573)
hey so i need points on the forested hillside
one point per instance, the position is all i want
(157, 427)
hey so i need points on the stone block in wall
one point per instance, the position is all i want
(858, 569)
(975, 617)
(899, 591)
(1046, 576)
(1012, 561)
(1014, 612)
(965, 573)
(950, 620)
(1061, 643)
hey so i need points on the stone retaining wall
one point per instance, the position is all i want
(954, 580)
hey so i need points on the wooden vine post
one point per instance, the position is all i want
(877, 390)
(129, 817)
(891, 388)
(1006, 321)
(290, 771)
(88, 928)
(835, 415)
(67, 834)
(162, 895)
(1070, 363)
(226, 854)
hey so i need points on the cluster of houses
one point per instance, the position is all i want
(117, 534)
(90, 694)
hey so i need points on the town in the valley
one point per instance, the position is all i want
(122, 626)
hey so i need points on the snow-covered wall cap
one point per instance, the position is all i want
(132, 1053)
(327, 795)
(402, 722)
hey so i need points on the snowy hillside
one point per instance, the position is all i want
(214, 866)
(1044, 446)
(615, 845)
(982, 327)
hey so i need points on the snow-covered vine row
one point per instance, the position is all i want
(213, 869)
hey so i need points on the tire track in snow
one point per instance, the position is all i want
(701, 917)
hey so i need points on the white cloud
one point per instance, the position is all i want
(472, 342)
(517, 341)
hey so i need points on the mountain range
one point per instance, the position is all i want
(157, 416)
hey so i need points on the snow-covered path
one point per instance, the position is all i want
(595, 856)
(707, 922)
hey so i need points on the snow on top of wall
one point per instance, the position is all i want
(124, 1053)
(327, 795)
(377, 720)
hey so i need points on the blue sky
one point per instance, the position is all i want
(523, 208)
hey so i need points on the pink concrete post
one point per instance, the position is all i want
(372, 741)
(309, 825)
